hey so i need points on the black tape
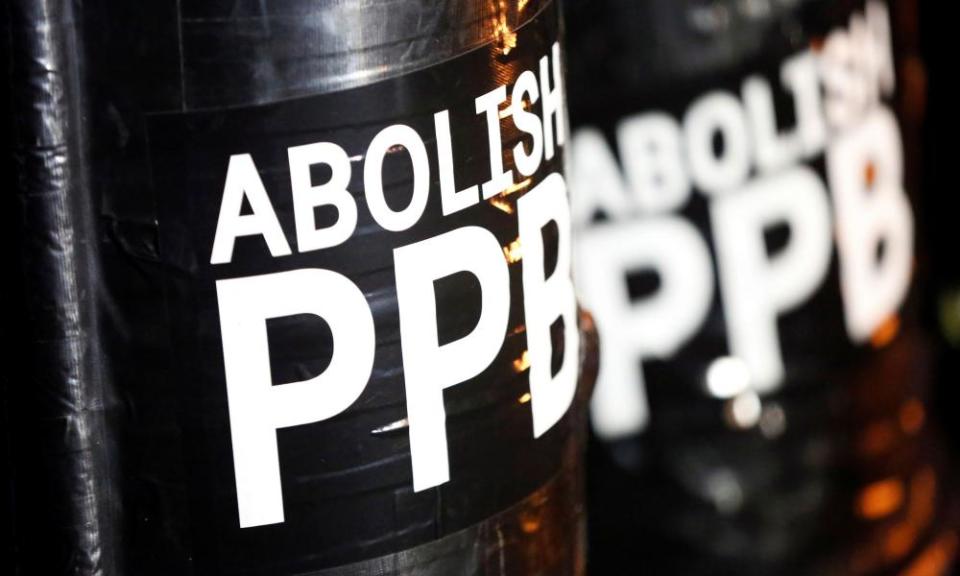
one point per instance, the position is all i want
(127, 152)
(64, 477)
(706, 493)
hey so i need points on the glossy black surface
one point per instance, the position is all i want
(696, 493)
(125, 114)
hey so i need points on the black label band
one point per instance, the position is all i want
(747, 229)
(375, 330)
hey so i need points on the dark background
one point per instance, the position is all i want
(940, 210)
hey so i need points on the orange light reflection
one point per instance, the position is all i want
(880, 499)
